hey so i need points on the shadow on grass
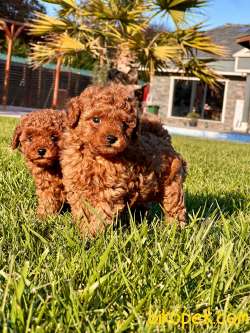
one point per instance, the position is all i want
(227, 203)
(199, 205)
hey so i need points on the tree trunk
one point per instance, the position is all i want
(10, 36)
(7, 73)
(124, 67)
(57, 80)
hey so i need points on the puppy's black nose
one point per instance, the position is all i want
(111, 139)
(41, 151)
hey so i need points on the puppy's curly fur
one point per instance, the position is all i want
(107, 165)
(38, 136)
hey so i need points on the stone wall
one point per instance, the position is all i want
(160, 95)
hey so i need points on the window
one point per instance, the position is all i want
(192, 95)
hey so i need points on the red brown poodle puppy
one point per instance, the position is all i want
(106, 166)
(38, 136)
(149, 124)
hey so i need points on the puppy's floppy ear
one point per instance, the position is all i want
(73, 112)
(16, 137)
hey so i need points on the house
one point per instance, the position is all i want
(225, 110)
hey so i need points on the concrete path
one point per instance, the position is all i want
(14, 111)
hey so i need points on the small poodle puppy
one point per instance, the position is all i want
(38, 136)
(153, 125)
(109, 160)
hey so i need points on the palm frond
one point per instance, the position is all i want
(67, 44)
(165, 52)
(69, 3)
(55, 2)
(176, 9)
(153, 53)
(194, 38)
(43, 24)
(121, 13)
(73, 9)
(200, 69)
(41, 54)
(53, 46)
(117, 9)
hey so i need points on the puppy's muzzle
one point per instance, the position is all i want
(111, 139)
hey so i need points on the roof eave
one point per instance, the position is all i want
(244, 41)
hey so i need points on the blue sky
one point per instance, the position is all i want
(218, 12)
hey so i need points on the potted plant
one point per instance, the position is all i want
(154, 109)
(151, 107)
(193, 117)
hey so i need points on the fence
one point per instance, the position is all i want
(34, 88)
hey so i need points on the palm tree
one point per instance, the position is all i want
(116, 34)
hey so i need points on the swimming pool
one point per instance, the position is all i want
(230, 136)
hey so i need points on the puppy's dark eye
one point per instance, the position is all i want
(124, 126)
(29, 138)
(53, 138)
(96, 120)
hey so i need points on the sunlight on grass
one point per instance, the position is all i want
(53, 281)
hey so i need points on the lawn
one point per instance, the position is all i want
(148, 277)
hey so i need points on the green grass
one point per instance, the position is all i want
(53, 281)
